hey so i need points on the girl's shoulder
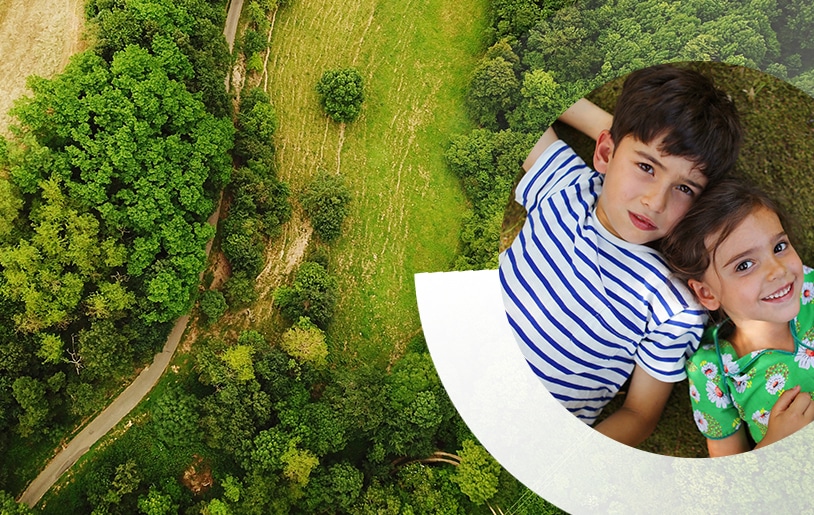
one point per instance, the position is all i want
(705, 355)
(804, 321)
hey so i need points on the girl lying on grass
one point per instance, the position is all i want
(754, 368)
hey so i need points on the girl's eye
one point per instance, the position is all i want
(743, 266)
(780, 247)
(646, 168)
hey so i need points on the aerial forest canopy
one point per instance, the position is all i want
(544, 55)
(105, 188)
(112, 171)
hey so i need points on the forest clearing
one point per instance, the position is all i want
(406, 209)
(36, 37)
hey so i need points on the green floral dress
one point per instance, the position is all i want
(727, 391)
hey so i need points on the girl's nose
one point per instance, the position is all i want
(777, 269)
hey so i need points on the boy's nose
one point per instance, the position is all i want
(655, 199)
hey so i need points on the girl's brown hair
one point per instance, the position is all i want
(718, 211)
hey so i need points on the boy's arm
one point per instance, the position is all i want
(588, 118)
(545, 141)
(637, 418)
(584, 115)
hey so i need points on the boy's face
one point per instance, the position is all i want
(645, 192)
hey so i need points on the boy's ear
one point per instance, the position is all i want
(603, 151)
(704, 294)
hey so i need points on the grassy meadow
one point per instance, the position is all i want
(416, 58)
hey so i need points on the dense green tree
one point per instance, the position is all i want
(492, 92)
(478, 474)
(155, 202)
(333, 489)
(428, 490)
(417, 408)
(513, 18)
(261, 196)
(341, 93)
(306, 342)
(542, 101)
(313, 294)
(49, 271)
(239, 291)
(213, 305)
(175, 418)
(232, 416)
(317, 426)
(10, 205)
(156, 502)
(8, 506)
(30, 394)
(257, 123)
(487, 164)
(243, 244)
(558, 45)
(104, 351)
(325, 201)
(196, 26)
(238, 359)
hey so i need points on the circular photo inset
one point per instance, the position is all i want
(531, 427)
(632, 247)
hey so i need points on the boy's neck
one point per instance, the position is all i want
(758, 335)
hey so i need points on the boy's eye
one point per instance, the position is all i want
(744, 265)
(646, 168)
(780, 247)
(683, 188)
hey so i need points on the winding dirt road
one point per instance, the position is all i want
(141, 386)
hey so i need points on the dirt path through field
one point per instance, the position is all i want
(37, 37)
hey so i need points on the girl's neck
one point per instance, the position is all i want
(755, 336)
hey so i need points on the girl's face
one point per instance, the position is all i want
(755, 274)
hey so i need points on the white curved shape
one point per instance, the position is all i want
(562, 459)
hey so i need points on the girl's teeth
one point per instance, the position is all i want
(779, 294)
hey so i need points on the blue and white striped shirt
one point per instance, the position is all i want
(584, 305)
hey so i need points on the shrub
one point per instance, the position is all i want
(305, 342)
(213, 305)
(239, 291)
(312, 294)
(341, 94)
(325, 201)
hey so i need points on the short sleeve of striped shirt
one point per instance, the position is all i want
(555, 166)
(585, 306)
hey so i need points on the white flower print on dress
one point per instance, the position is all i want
(709, 369)
(761, 416)
(730, 365)
(742, 382)
(775, 383)
(804, 357)
(808, 293)
(700, 421)
(694, 393)
(716, 395)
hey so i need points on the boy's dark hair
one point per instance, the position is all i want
(718, 211)
(696, 120)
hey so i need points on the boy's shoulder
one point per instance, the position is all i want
(555, 167)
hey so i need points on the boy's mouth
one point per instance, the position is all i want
(641, 222)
